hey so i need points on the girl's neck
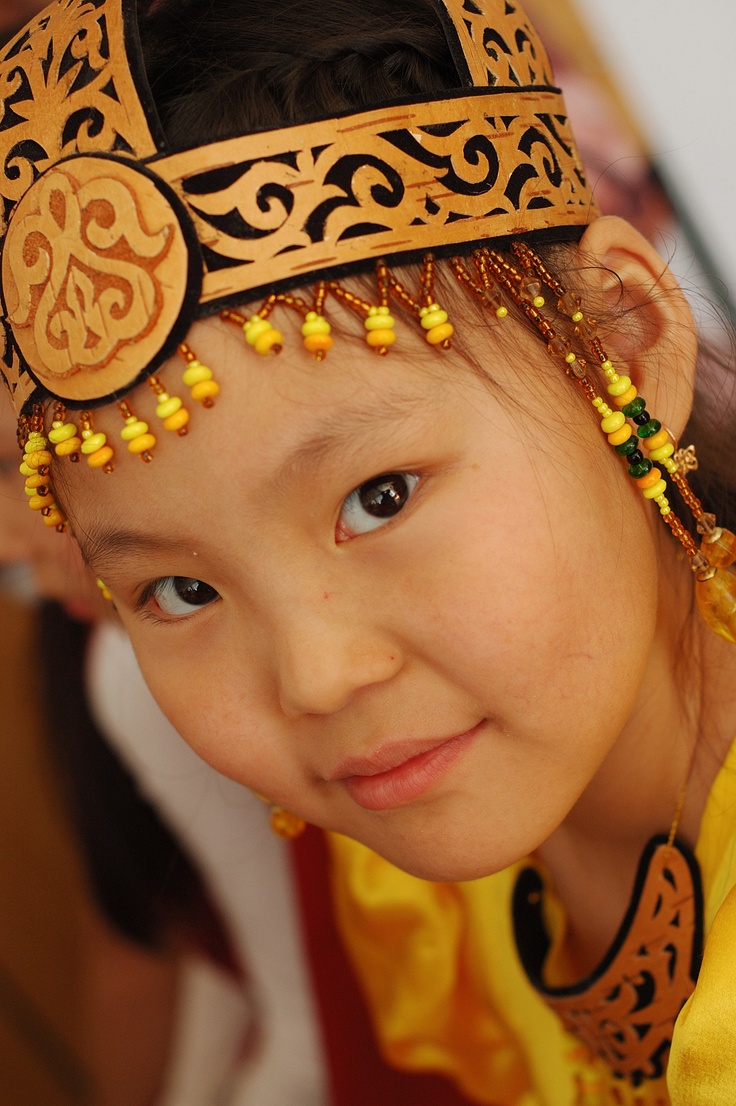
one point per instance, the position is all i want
(680, 731)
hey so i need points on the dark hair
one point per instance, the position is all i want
(224, 67)
(228, 66)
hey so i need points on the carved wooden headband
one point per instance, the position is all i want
(113, 245)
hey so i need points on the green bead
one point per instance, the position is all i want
(628, 446)
(635, 471)
(649, 428)
(631, 410)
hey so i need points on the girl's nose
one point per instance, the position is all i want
(326, 659)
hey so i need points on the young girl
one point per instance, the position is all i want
(423, 579)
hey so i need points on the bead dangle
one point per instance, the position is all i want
(316, 330)
(198, 377)
(644, 448)
(64, 436)
(259, 332)
(170, 409)
(94, 445)
(433, 319)
(36, 468)
(136, 434)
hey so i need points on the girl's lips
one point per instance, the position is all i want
(408, 780)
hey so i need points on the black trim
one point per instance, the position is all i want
(533, 943)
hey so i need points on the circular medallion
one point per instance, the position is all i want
(98, 277)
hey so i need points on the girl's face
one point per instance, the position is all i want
(405, 604)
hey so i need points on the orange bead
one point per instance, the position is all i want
(656, 441)
(651, 478)
(205, 390)
(318, 343)
(721, 551)
(380, 338)
(54, 518)
(628, 397)
(286, 825)
(71, 445)
(178, 420)
(142, 444)
(101, 458)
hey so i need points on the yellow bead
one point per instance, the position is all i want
(440, 334)
(434, 317)
(25, 470)
(40, 457)
(101, 458)
(380, 321)
(662, 453)
(376, 339)
(36, 481)
(93, 443)
(167, 406)
(612, 422)
(38, 502)
(656, 441)
(206, 389)
(54, 518)
(657, 489)
(654, 476)
(196, 373)
(177, 421)
(71, 445)
(35, 443)
(315, 324)
(60, 434)
(30, 492)
(134, 428)
(539, 301)
(626, 397)
(618, 437)
(501, 312)
(269, 342)
(619, 386)
(142, 444)
(607, 367)
(254, 328)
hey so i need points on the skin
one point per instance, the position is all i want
(525, 592)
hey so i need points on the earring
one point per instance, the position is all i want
(286, 825)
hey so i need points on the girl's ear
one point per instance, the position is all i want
(646, 325)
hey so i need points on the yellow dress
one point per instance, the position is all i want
(447, 991)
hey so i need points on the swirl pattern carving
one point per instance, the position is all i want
(99, 272)
(379, 184)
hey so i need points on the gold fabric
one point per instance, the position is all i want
(442, 977)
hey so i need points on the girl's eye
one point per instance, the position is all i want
(180, 595)
(375, 503)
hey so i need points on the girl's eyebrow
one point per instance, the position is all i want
(337, 429)
(102, 547)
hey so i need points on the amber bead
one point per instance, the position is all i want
(287, 825)
(716, 598)
(721, 552)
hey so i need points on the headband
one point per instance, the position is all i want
(113, 244)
